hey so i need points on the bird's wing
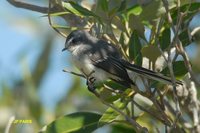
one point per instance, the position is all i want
(146, 72)
(114, 68)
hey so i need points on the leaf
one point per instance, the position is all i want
(115, 85)
(151, 52)
(77, 9)
(122, 128)
(165, 38)
(154, 9)
(111, 115)
(104, 5)
(135, 23)
(80, 122)
(122, 41)
(112, 12)
(135, 10)
(135, 49)
(58, 13)
(108, 96)
(118, 23)
(122, 6)
(179, 69)
(64, 27)
(184, 37)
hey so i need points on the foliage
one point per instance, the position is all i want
(140, 33)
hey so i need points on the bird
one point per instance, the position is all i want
(99, 61)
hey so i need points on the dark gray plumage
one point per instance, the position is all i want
(99, 60)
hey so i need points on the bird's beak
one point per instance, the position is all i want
(64, 49)
(66, 45)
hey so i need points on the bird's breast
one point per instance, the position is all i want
(84, 64)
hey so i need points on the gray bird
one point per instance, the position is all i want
(99, 60)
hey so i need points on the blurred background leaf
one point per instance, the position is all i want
(80, 122)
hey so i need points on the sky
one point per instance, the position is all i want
(22, 34)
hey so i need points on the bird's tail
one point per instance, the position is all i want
(148, 73)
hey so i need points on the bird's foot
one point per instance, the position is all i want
(90, 84)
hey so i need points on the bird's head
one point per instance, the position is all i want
(76, 38)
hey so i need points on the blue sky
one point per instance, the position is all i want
(22, 34)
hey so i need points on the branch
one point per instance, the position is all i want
(74, 73)
(195, 30)
(169, 61)
(31, 7)
(163, 119)
(138, 127)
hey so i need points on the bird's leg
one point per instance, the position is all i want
(90, 82)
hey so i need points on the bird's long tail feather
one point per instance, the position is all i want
(148, 73)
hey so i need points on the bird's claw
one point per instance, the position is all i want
(90, 84)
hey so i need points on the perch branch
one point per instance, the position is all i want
(74, 73)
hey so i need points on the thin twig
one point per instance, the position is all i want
(74, 73)
(50, 22)
(195, 30)
(173, 112)
(165, 121)
(112, 90)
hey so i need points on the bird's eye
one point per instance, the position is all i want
(75, 40)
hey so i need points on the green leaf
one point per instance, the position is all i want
(108, 96)
(77, 9)
(59, 13)
(122, 41)
(135, 10)
(154, 9)
(118, 23)
(151, 52)
(122, 6)
(64, 27)
(104, 5)
(184, 37)
(136, 24)
(111, 115)
(80, 122)
(115, 85)
(179, 69)
(122, 128)
(165, 39)
(135, 49)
